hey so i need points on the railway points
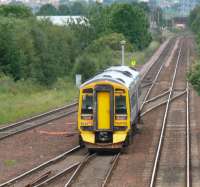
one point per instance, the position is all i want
(173, 131)
(18, 181)
(155, 106)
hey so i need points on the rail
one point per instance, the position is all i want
(36, 121)
(188, 180)
(155, 166)
(35, 169)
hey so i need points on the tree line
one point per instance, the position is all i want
(194, 23)
(42, 52)
(75, 8)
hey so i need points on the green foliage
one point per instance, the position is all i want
(136, 30)
(24, 99)
(15, 47)
(42, 52)
(193, 17)
(10, 163)
(112, 41)
(144, 6)
(19, 11)
(119, 18)
(83, 64)
(194, 76)
(35, 50)
(96, 58)
(194, 23)
(47, 10)
(37, 56)
(64, 10)
(78, 8)
(75, 8)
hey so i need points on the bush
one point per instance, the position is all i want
(194, 23)
(94, 60)
(19, 11)
(194, 76)
(112, 41)
(30, 49)
(85, 65)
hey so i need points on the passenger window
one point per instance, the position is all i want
(87, 104)
(120, 105)
(133, 100)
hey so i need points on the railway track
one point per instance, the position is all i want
(87, 175)
(48, 176)
(36, 121)
(150, 79)
(163, 94)
(47, 171)
(67, 165)
(172, 158)
(154, 76)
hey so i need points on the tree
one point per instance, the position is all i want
(112, 41)
(83, 64)
(19, 11)
(127, 19)
(16, 48)
(136, 30)
(193, 15)
(78, 8)
(47, 10)
(64, 10)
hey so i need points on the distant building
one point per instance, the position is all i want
(64, 20)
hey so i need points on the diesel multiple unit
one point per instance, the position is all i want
(108, 110)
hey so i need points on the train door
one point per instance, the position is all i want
(103, 100)
(104, 107)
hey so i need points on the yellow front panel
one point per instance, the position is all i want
(103, 110)
(88, 137)
(119, 137)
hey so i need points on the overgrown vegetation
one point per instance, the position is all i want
(42, 52)
(194, 23)
(24, 99)
(38, 60)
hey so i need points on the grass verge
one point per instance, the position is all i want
(24, 99)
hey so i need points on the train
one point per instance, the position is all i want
(109, 108)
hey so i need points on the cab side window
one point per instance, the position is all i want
(120, 105)
(87, 104)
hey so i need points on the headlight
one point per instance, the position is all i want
(121, 117)
(86, 117)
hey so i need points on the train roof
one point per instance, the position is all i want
(121, 74)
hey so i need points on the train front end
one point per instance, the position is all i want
(103, 115)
